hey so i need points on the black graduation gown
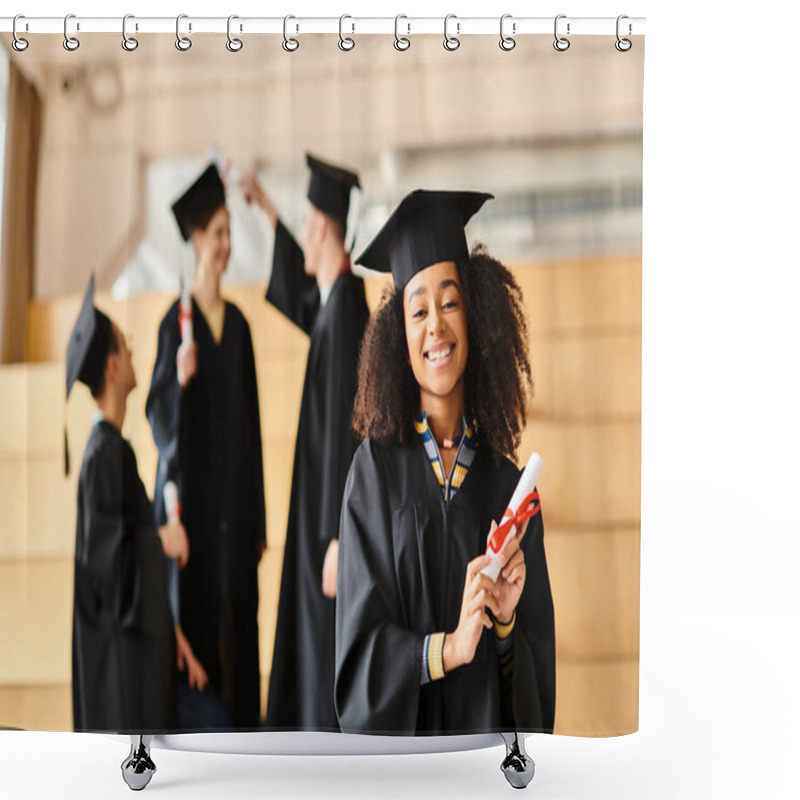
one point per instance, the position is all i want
(301, 681)
(209, 442)
(403, 559)
(123, 640)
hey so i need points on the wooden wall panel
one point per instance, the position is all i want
(591, 474)
(37, 508)
(596, 697)
(36, 620)
(37, 707)
(594, 576)
(594, 379)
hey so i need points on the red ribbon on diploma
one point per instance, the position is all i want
(528, 508)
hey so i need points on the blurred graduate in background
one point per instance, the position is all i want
(204, 414)
(314, 287)
(123, 642)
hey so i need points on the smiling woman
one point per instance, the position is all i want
(425, 643)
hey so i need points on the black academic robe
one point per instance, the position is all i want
(209, 443)
(301, 682)
(403, 560)
(123, 640)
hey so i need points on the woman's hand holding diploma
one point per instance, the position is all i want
(511, 581)
(460, 645)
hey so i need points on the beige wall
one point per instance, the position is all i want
(585, 421)
(442, 119)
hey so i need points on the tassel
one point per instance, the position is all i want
(66, 452)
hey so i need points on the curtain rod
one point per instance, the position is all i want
(346, 25)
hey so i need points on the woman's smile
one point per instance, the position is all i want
(439, 355)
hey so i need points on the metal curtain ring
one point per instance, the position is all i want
(451, 43)
(345, 42)
(400, 42)
(507, 42)
(561, 44)
(183, 43)
(18, 43)
(623, 45)
(71, 43)
(233, 44)
(128, 42)
(289, 44)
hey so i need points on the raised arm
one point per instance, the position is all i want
(291, 291)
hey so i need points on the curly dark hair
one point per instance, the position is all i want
(497, 381)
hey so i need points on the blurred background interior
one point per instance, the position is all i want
(94, 150)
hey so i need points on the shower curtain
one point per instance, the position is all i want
(101, 142)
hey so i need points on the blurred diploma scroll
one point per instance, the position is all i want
(227, 169)
(507, 528)
(186, 317)
(171, 503)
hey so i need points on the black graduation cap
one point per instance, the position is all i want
(426, 228)
(87, 350)
(88, 343)
(201, 199)
(329, 188)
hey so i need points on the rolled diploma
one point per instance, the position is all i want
(171, 503)
(527, 483)
(186, 316)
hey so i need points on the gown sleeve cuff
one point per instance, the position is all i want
(504, 630)
(432, 658)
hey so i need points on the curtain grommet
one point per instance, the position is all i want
(623, 45)
(401, 43)
(129, 43)
(561, 43)
(233, 44)
(507, 43)
(182, 43)
(289, 44)
(451, 43)
(346, 43)
(71, 43)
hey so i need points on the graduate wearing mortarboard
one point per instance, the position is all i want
(316, 290)
(123, 642)
(425, 644)
(204, 414)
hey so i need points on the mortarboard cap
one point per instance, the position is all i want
(200, 200)
(88, 344)
(329, 188)
(87, 351)
(426, 228)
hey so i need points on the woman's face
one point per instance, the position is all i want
(436, 331)
(213, 243)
